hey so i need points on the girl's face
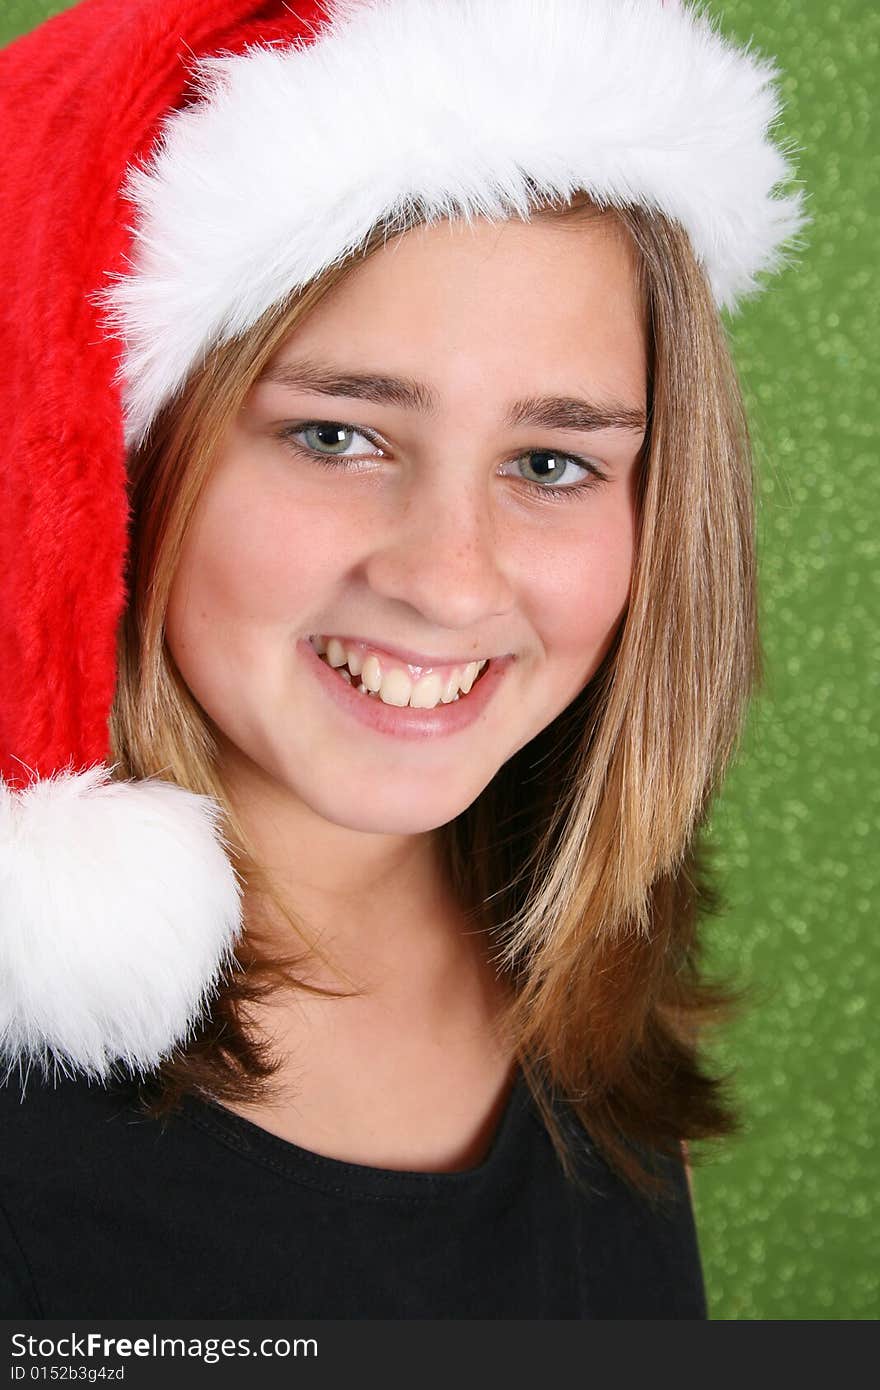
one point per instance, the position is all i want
(425, 473)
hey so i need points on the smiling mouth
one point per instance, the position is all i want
(393, 682)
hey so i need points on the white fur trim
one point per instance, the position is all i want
(448, 107)
(120, 909)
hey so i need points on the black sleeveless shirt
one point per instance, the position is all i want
(106, 1212)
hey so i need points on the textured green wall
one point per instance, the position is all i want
(788, 1213)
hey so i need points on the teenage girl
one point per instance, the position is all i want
(378, 618)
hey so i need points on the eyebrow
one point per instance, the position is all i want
(547, 412)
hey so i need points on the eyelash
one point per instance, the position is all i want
(334, 461)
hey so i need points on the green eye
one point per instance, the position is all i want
(551, 467)
(540, 470)
(328, 436)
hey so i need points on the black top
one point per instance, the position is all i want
(108, 1213)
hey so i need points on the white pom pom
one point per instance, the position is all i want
(119, 911)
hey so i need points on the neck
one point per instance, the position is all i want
(378, 906)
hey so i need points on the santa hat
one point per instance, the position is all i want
(170, 170)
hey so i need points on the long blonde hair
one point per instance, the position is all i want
(582, 858)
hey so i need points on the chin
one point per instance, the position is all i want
(410, 811)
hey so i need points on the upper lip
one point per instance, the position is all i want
(411, 658)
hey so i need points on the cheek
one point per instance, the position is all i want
(581, 587)
(254, 560)
(256, 567)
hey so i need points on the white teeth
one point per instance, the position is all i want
(371, 674)
(427, 691)
(468, 676)
(395, 686)
(450, 687)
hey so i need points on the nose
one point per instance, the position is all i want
(438, 551)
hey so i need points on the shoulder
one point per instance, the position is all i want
(41, 1117)
(54, 1134)
(32, 1095)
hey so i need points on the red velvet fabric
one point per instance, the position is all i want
(80, 98)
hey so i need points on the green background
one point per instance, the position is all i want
(787, 1213)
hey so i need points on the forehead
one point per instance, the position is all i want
(470, 307)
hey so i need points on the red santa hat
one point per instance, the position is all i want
(170, 170)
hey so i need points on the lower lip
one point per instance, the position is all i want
(403, 721)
